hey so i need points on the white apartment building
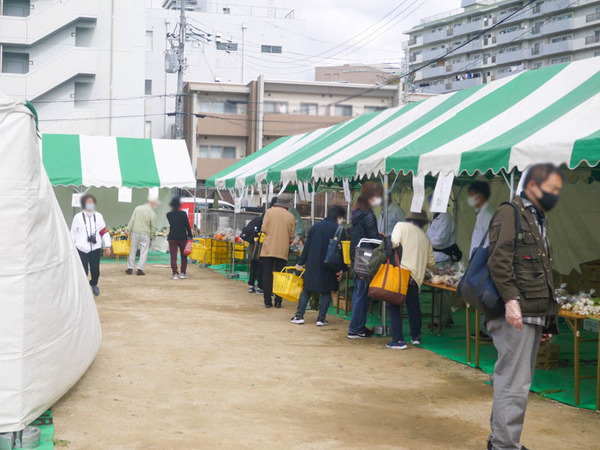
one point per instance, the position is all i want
(98, 66)
(80, 62)
(247, 38)
(544, 33)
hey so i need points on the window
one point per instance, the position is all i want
(372, 109)
(227, 46)
(15, 62)
(342, 110)
(217, 152)
(149, 40)
(17, 8)
(564, 59)
(309, 109)
(223, 107)
(561, 39)
(562, 17)
(275, 108)
(83, 36)
(226, 10)
(148, 87)
(596, 54)
(148, 129)
(271, 49)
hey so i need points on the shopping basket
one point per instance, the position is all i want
(121, 245)
(198, 250)
(288, 285)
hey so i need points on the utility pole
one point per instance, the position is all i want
(181, 67)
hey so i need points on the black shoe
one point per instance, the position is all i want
(367, 332)
(360, 335)
(482, 336)
(129, 271)
(278, 303)
(140, 272)
(268, 305)
(489, 445)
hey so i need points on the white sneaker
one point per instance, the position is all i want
(183, 276)
(322, 323)
(297, 320)
(176, 277)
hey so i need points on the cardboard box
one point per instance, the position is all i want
(548, 356)
(591, 275)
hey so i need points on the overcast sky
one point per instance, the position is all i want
(372, 38)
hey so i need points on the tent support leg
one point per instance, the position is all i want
(386, 192)
(312, 205)
(510, 183)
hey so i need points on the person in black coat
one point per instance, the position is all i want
(364, 226)
(180, 233)
(318, 277)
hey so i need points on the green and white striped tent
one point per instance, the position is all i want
(102, 161)
(545, 115)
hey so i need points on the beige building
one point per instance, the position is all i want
(226, 122)
(357, 73)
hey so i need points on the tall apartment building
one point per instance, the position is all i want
(98, 66)
(226, 122)
(76, 61)
(248, 38)
(544, 33)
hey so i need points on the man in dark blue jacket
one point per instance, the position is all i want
(318, 277)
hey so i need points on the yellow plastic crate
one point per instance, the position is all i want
(288, 285)
(346, 252)
(199, 251)
(121, 245)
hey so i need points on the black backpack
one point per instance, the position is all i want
(250, 231)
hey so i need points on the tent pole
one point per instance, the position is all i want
(312, 204)
(512, 184)
(326, 204)
(295, 200)
(386, 192)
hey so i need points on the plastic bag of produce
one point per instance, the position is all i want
(49, 326)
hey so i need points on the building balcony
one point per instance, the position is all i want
(594, 17)
(235, 125)
(472, 46)
(591, 40)
(208, 167)
(466, 28)
(429, 55)
(416, 59)
(429, 37)
(556, 47)
(42, 79)
(505, 38)
(466, 83)
(438, 88)
(278, 125)
(508, 57)
(464, 66)
(559, 26)
(511, 17)
(434, 72)
(43, 22)
(552, 6)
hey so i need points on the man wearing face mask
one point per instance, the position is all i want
(142, 231)
(319, 278)
(89, 232)
(521, 267)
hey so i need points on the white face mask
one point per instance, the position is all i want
(377, 201)
(90, 207)
(472, 201)
(340, 221)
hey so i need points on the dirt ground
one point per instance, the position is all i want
(200, 364)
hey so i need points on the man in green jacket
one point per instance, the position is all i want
(521, 269)
(142, 231)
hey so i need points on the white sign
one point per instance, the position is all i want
(238, 205)
(418, 193)
(153, 192)
(441, 194)
(124, 195)
(76, 200)
(347, 193)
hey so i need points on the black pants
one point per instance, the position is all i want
(91, 264)
(256, 276)
(270, 265)
(413, 308)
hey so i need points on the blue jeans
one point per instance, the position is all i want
(360, 306)
(414, 315)
(323, 304)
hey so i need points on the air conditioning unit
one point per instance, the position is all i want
(171, 63)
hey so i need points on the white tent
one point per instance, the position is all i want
(49, 325)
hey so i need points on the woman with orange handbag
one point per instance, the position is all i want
(417, 256)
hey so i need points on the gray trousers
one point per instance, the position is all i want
(513, 372)
(142, 242)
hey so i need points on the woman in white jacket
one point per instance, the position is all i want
(89, 232)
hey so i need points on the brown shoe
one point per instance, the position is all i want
(140, 272)
(129, 271)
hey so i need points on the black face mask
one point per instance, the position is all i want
(547, 201)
